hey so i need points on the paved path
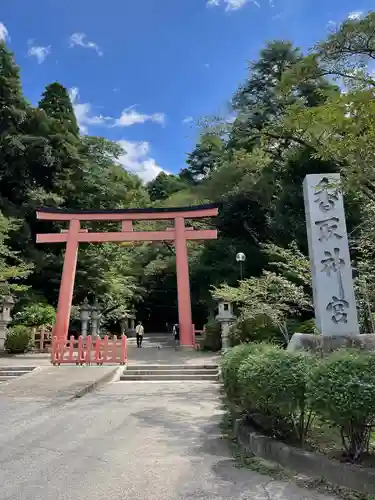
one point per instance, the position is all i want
(160, 349)
(58, 383)
(127, 441)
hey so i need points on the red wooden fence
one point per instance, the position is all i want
(87, 351)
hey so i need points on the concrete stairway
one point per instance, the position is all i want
(166, 373)
(13, 372)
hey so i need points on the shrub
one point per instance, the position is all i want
(272, 385)
(259, 329)
(230, 364)
(211, 340)
(341, 389)
(37, 314)
(296, 326)
(18, 339)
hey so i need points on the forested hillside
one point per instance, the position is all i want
(295, 114)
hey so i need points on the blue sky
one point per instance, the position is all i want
(143, 71)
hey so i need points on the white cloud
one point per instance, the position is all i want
(4, 34)
(233, 4)
(38, 51)
(136, 159)
(130, 116)
(188, 119)
(84, 114)
(80, 40)
(354, 16)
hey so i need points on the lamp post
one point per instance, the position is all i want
(241, 257)
(85, 316)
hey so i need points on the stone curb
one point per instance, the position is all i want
(315, 465)
(108, 377)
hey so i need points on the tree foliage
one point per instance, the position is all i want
(294, 114)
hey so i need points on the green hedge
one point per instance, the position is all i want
(18, 339)
(272, 385)
(230, 364)
(341, 389)
(281, 391)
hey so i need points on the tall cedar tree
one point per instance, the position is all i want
(57, 104)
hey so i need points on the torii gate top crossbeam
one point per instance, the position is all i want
(195, 212)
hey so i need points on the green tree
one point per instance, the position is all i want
(13, 270)
(203, 159)
(57, 104)
(258, 102)
(164, 185)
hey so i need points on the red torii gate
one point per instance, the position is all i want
(75, 235)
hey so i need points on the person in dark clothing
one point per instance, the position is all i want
(176, 333)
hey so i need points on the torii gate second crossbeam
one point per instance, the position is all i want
(179, 234)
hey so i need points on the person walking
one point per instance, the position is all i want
(176, 334)
(139, 330)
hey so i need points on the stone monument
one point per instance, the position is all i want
(332, 279)
(226, 319)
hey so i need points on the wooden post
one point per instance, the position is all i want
(183, 285)
(67, 282)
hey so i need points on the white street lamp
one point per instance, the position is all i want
(241, 257)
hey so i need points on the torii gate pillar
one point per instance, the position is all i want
(183, 284)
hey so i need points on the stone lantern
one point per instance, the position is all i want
(95, 319)
(226, 318)
(123, 323)
(6, 306)
(85, 316)
(131, 319)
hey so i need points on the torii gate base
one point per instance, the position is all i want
(75, 235)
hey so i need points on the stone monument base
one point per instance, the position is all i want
(308, 342)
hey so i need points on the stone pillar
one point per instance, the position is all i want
(226, 319)
(131, 325)
(123, 324)
(6, 306)
(332, 279)
(85, 316)
(95, 318)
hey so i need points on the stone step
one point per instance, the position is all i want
(155, 367)
(5, 378)
(170, 372)
(128, 377)
(13, 373)
(17, 368)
